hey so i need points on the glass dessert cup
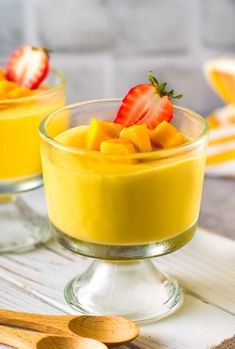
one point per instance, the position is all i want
(21, 228)
(122, 210)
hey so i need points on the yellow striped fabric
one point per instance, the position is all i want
(221, 151)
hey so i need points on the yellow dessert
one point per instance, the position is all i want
(19, 141)
(103, 199)
(21, 110)
(134, 180)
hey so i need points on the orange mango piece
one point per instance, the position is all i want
(2, 74)
(100, 131)
(139, 136)
(19, 92)
(165, 135)
(177, 140)
(117, 146)
(7, 86)
(116, 127)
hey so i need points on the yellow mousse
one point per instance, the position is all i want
(21, 111)
(121, 198)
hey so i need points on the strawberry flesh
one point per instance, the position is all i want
(148, 104)
(159, 110)
(28, 66)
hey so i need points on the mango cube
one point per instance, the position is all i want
(6, 86)
(139, 136)
(19, 92)
(116, 127)
(117, 146)
(2, 74)
(165, 135)
(100, 131)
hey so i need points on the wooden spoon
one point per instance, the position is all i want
(22, 339)
(111, 330)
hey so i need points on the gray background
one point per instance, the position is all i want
(106, 46)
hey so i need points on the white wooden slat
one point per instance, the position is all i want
(44, 272)
(206, 266)
(21, 299)
(196, 325)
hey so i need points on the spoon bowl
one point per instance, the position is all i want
(107, 329)
(60, 342)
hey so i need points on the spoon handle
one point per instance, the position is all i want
(16, 338)
(38, 322)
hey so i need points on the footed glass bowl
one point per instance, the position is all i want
(20, 166)
(122, 210)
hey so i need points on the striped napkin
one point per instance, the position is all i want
(221, 151)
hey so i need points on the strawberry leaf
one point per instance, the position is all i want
(161, 87)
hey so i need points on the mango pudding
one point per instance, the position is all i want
(123, 182)
(29, 91)
(128, 173)
(25, 99)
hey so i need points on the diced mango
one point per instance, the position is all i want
(3, 95)
(178, 139)
(6, 86)
(165, 135)
(2, 74)
(100, 131)
(117, 146)
(19, 92)
(139, 135)
(116, 127)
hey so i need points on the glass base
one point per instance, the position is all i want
(134, 289)
(22, 229)
(124, 252)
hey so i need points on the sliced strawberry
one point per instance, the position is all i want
(28, 66)
(148, 104)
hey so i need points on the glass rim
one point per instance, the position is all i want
(159, 152)
(61, 83)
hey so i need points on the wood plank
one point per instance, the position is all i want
(206, 267)
(16, 298)
(196, 325)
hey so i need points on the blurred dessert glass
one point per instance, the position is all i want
(20, 167)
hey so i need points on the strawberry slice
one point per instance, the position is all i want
(28, 66)
(148, 104)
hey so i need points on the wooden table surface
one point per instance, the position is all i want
(205, 268)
